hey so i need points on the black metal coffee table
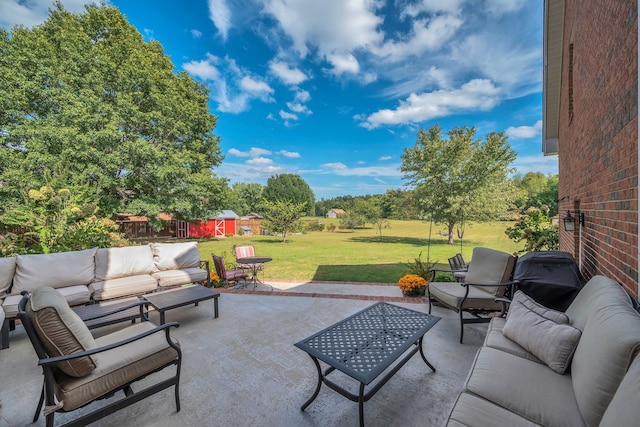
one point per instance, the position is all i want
(178, 297)
(366, 344)
(112, 312)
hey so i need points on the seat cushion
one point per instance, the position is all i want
(60, 330)
(529, 389)
(180, 277)
(114, 263)
(451, 293)
(124, 286)
(175, 256)
(118, 366)
(53, 270)
(469, 409)
(619, 413)
(553, 343)
(7, 270)
(75, 295)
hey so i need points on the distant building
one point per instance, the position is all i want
(333, 213)
(222, 224)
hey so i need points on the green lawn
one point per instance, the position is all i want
(358, 256)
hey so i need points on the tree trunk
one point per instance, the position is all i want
(451, 225)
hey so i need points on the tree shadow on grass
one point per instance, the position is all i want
(414, 241)
(377, 273)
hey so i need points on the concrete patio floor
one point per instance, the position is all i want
(242, 369)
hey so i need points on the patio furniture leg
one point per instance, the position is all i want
(39, 408)
(424, 357)
(315, 393)
(361, 404)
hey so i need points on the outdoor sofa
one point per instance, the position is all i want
(95, 275)
(540, 367)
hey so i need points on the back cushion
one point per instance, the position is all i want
(610, 340)
(114, 263)
(7, 270)
(61, 330)
(244, 251)
(599, 290)
(623, 410)
(490, 266)
(53, 270)
(175, 256)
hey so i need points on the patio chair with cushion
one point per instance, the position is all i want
(488, 280)
(79, 369)
(458, 267)
(244, 252)
(229, 276)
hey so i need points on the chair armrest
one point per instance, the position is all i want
(204, 264)
(142, 304)
(164, 327)
(512, 283)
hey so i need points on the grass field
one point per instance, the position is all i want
(358, 256)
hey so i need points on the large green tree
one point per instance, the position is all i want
(538, 189)
(86, 104)
(247, 196)
(459, 177)
(290, 188)
(283, 217)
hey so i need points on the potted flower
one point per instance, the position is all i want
(412, 285)
(213, 279)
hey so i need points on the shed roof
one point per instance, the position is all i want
(226, 214)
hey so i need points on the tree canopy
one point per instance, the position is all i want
(283, 217)
(87, 105)
(461, 177)
(290, 188)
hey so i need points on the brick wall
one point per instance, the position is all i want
(598, 142)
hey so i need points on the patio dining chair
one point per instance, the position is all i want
(244, 252)
(229, 276)
(486, 287)
(78, 369)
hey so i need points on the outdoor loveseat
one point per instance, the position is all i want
(540, 367)
(95, 275)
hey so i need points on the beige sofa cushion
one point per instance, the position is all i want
(619, 413)
(53, 270)
(591, 296)
(61, 330)
(75, 295)
(610, 341)
(7, 270)
(124, 286)
(471, 411)
(553, 343)
(175, 256)
(180, 277)
(118, 366)
(451, 293)
(114, 263)
(529, 389)
(496, 339)
(490, 266)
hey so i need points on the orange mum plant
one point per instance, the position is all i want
(412, 284)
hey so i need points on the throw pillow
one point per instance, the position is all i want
(551, 342)
(526, 300)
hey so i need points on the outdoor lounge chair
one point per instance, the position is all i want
(458, 267)
(228, 275)
(79, 369)
(485, 289)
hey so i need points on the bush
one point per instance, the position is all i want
(331, 227)
(536, 229)
(420, 268)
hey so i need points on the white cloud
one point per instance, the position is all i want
(288, 75)
(253, 152)
(258, 88)
(334, 166)
(478, 94)
(196, 34)
(343, 63)
(501, 7)
(220, 15)
(287, 116)
(341, 169)
(385, 158)
(536, 163)
(204, 69)
(298, 108)
(259, 161)
(34, 12)
(525, 132)
(290, 154)
(431, 6)
(302, 96)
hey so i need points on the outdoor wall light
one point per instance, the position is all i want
(570, 221)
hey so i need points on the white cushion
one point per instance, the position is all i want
(53, 270)
(7, 270)
(123, 286)
(180, 277)
(113, 263)
(76, 295)
(551, 342)
(175, 256)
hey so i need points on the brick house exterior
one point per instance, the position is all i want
(591, 122)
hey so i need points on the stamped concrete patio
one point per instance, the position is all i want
(242, 369)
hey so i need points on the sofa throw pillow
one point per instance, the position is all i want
(114, 263)
(61, 331)
(527, 301)
(551, 342)
(175, 256)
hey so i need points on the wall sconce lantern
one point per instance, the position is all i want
(570, 221)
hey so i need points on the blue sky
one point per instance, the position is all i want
(333, 90)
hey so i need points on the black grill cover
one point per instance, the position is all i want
(551, 278)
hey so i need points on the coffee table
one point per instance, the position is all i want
(178, 297)
(365, 345)
(96, 315)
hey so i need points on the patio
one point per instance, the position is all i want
(243, 369)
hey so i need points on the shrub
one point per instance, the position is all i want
(420, 268)
(412, 284)
(536, 229)
(331, 227)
